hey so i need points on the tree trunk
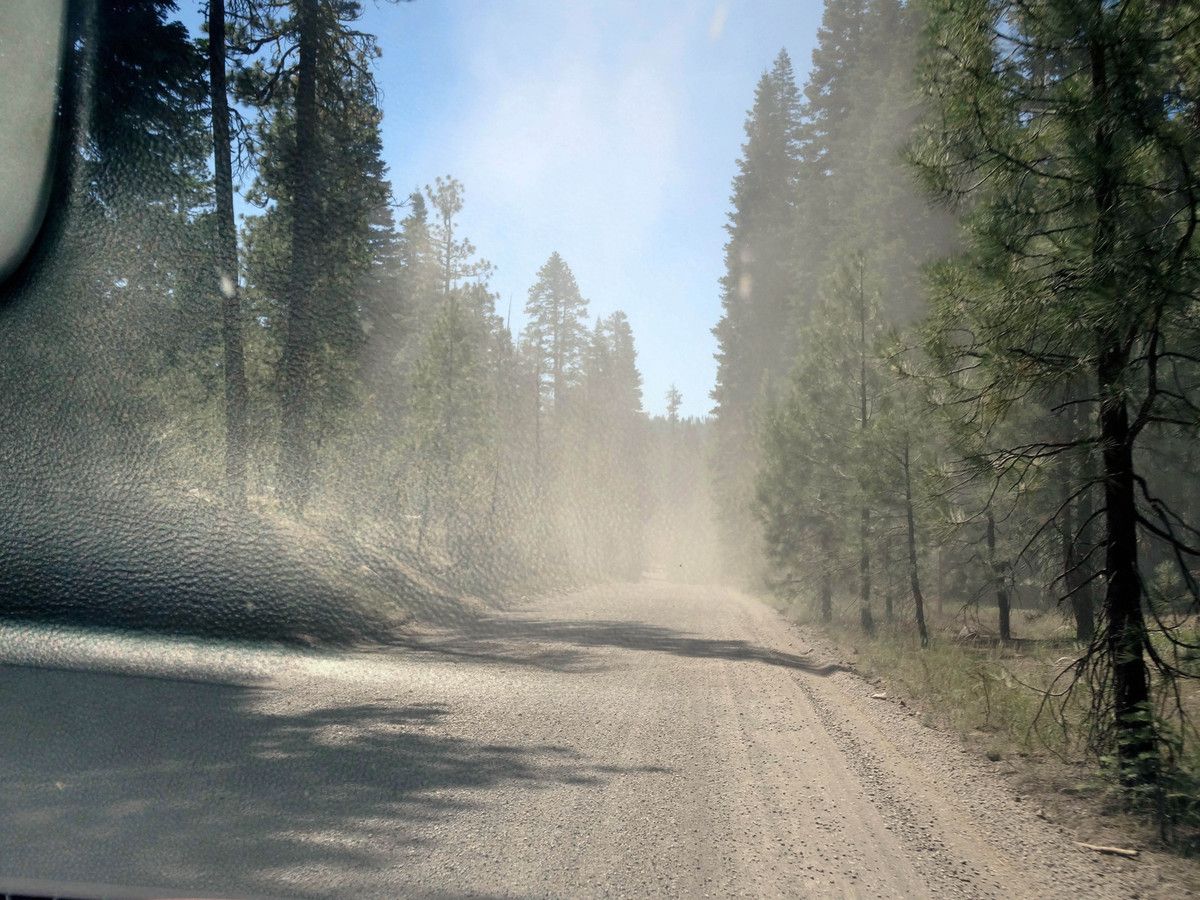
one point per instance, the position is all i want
(914, 572)
(448, 255)
(296, 440)
(864, 571)
(1123, 597)
(1126, 628)
(889, 609)
(226, 253)
(1000, 578)
(558, 367)
(1074, 577)
(539, 475)
(941, 580)
(826, 596)
(864, 528)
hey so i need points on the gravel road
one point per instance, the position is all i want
(649, 739)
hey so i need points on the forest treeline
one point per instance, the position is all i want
(960, 334)
(242, 313)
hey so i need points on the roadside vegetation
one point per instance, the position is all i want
(1006, 699)
(959, 360)
(245, 345)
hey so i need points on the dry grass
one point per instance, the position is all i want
(968, 681)
(1008, 699)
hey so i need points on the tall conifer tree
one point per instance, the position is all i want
(757, 296)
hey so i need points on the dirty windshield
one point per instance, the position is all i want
(670, 447)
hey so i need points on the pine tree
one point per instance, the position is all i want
(757, 295)
(452, 403)
(1067, 131)
(861, 233)
(900, 454)
(141, 226)
(606, 451)
(674, 402)
(225, 251)
(814, 487)
(322, 183)
(556, 330)
(855, 194)
(828, 100)
(455, 256)
(400, 315)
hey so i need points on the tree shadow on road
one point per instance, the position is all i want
(193, 786)
(555, 644)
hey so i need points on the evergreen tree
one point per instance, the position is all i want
(139, 279)
(321, 180)
(604, 459)
(400, 315)
(556, 332)
(861, 234)
(1067, 131)
(674, 402)
(757, 295)
(815, 483)
(225, 251)
(452, 400)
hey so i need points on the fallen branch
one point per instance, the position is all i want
(1112, 851)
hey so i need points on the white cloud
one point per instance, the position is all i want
(716, 25)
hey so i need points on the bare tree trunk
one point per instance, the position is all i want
(226, 252)
(914, 572)
(296, 440)
(1000, 578)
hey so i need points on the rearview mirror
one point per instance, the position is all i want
(32, 34)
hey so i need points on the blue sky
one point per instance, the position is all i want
(607, 130)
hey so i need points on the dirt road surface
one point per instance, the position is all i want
(640, 740)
